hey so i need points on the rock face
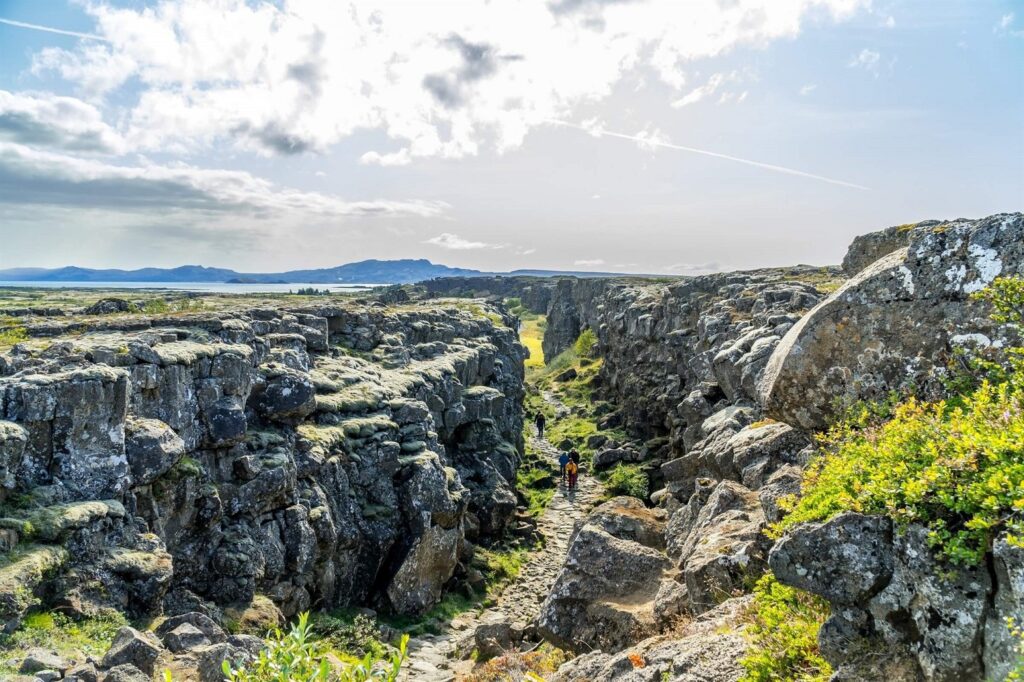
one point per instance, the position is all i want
(604, 596)
(896, 605)
(896, 323)
(339, 455)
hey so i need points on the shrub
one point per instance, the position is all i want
(69, 638)
(628, 479)
(585, 343)
(11, 334)
(519, 667)
(783, 633)
(299, 655)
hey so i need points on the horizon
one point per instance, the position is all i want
(588, 135)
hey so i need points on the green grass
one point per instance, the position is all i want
(782, 627)
(54, 631)
(628, 479)
(531, 334)
(536, 480)
(11, 333)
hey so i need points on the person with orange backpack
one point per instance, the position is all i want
(572, 470)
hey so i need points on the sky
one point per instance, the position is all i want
(654, 136)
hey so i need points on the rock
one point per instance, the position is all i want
(493, 637)
(782, 484)
(868, 248)
(48, 675)
(1001, 648)
(604, 595)
(152, 449)
(184, 637)
(612, 456)
(126, 673)
(845, 560)
(567, 375)
(37, 659)
(936, 614)
(200, 622)
(12, 445)
(109, 306)
(85, 672)
(708, 649)
(287, 395)
(132, 647)
(210, 660)
(865, 341)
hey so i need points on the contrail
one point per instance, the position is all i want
(705, 152)
(48, 29)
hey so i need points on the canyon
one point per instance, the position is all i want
(212, 472)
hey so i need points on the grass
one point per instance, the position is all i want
(531, 334)
(11, 333)
(628, 479)
(536, 481)
(782, 626)
(54, 631)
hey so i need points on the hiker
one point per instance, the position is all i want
(574, 455)
(540, 421)
(572, 469)
(563, 460)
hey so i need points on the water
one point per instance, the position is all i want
(204, 287)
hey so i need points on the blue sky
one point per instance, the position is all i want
(632, 135)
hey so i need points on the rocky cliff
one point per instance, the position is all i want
(324, 455)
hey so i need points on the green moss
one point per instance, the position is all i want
(11, 334)
(783, 632)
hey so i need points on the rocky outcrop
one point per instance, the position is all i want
(340, 455)
(896, 324)
(897, 606)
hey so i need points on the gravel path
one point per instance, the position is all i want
(440, 658)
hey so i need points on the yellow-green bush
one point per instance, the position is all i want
(628, 479)
(299, 655)
(783, 631)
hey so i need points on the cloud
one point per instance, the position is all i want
(808, 89)
(714, 82)
(447, 240)
(31, 176)
(299, 76)
(46, 120)
(871, 61)
(890, 22)
(589, 262)
(1005, 21)
(399, 158)
(1003, 26)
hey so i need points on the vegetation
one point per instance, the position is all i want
(55, 631)
(530, 666)
(300, 655)
(627, 479)
(535, 481)
(955, 466)
(312, 291)
(531, 334)
(11, 333)
(783, 626)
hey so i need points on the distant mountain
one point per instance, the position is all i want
(405, 271)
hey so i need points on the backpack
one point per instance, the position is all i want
(571, 467)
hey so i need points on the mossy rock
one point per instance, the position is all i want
(256, 618)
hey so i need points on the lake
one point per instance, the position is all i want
(205, 287)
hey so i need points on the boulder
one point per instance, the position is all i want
(109, 306)
(894, 326)
(1001, 648)
(37, 659)
(185, 637)
(607, 458)
(286, 395)
(12, 446)
(201, 622)
(126, 672)
(131, 647)
(846, 560)
(604, 595)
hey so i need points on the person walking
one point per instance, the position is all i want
(540, 420)
(574, 455)
(572, 470)
(563, 460)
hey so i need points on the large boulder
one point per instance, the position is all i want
(604, 596)
(894, 325)
(152, 448)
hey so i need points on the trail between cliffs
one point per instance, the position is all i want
(443, 657)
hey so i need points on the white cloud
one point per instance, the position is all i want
(46, 120)
(808, 89)
(31, 176)
(447, 240)
(1003, 26)
(890, 22)
(694, 268)
(1005, 21)
(279, 78)
(589, 262)
(871, 61)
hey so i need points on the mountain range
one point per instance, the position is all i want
(404, 271)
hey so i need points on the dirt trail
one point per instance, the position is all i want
(440, 658)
